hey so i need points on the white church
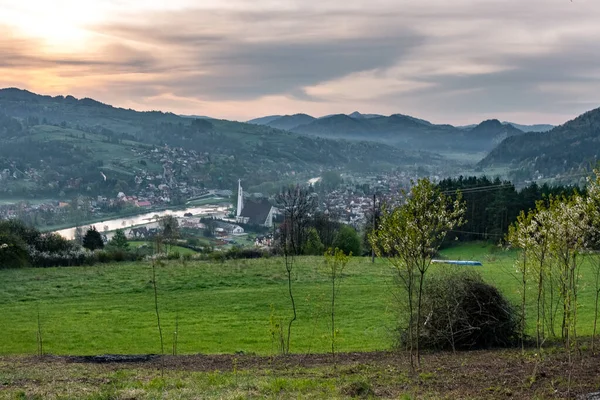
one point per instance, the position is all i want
(251, 212)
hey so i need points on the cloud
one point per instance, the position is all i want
(251, 55)
(457, 62)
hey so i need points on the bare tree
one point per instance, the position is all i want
(297, 206)
(335, 261)
(170, 230)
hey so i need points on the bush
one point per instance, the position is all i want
(313, 246)
(13, 251)
(461, 311)
(347, 240)
(17, 228)
(53, 243)
(73, 257)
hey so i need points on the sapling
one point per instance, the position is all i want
(335, 261)
(409, 236)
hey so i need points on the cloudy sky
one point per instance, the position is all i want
(448, 61)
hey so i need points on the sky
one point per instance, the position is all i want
(447, 61)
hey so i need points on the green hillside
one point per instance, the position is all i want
(568, 149)
(43, 137)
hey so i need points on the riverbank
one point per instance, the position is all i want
(144, 218)
(134, 213)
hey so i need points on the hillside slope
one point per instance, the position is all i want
(41, 132)
(571, 147)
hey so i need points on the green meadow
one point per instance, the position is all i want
(223, 307)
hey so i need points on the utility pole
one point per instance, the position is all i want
(373, 231)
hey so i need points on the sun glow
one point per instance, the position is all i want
(59, 25)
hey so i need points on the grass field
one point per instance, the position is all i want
(181, 250)
(220, 307)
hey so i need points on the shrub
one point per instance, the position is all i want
(461, 311)
(313, 246)
(73, 257)
(17, 228)
(53, 242)
(119, 240)
(13, 251)
(347, 240)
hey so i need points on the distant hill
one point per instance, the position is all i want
(409, 133)
(264, 120)
(358, 115)
(494, 130)
(288, 122)
(568, 148)
(531, 128)
(196, 116)
(45, 137)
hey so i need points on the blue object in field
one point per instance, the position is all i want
(457, 262)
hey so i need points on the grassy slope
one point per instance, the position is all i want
(181, 250)
(222, 308)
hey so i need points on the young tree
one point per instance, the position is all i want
(520, 235)
(78, 235)
(170, 229)
(593, 210)
(93, 239)
(569, 238)
(297, 205)
(409, 235)
(336, 261)
(119, 240)
(313, 245)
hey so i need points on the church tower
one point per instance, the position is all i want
(240, 199)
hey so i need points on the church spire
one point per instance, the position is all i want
(240, 199)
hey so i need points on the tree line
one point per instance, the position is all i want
(492, 205)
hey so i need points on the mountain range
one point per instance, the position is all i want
(527, 151)
(398, 130)
(44, 137)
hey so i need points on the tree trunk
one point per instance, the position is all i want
(421, 279)
(288, 265)
(333, 316)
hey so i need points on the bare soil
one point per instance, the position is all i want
(473, 374)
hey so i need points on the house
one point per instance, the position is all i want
(229, 229)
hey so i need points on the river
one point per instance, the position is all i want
(147, 220)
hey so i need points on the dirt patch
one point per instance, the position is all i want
(474, 374)
(112, 358)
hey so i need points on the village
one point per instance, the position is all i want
(251, 217)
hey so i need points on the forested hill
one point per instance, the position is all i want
(43, 137)
(566, 149)
(287, 122)
(398, 130)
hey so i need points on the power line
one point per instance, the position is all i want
(479, 189)
(478, 233)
